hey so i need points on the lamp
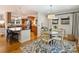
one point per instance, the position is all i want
(51, 15)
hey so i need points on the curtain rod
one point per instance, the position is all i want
(68, 13)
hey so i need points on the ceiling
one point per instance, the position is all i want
(34, 9)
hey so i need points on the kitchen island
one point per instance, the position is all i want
(23, 35)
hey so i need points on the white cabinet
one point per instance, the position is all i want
(16, 22)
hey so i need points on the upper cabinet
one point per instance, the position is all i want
(13, 21)
(23, 24)
(8, 16)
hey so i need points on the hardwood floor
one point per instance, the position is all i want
(6, 47)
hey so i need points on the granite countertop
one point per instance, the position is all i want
(15, 28)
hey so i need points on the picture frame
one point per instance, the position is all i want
(55, 21)
(65, 21)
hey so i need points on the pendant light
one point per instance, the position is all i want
(51, 15)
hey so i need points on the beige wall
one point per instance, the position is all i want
(68, 28)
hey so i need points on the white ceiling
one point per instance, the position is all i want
(34, 9)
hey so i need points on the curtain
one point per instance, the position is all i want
(75, 24)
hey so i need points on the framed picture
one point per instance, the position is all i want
(65, 20)
(55, 21)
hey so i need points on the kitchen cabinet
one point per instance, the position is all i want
(25, 35)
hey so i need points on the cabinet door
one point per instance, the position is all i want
(23, 24)
(8, 16)
(25, 35)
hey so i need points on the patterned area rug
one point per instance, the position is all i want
(39, 46)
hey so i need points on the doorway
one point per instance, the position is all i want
(33, 24)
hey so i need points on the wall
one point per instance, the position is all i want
(41, 20)
(68, 28)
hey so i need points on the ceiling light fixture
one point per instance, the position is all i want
(51, 15)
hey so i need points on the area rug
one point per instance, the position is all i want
(39, 46)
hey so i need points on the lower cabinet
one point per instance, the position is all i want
(25, 35)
